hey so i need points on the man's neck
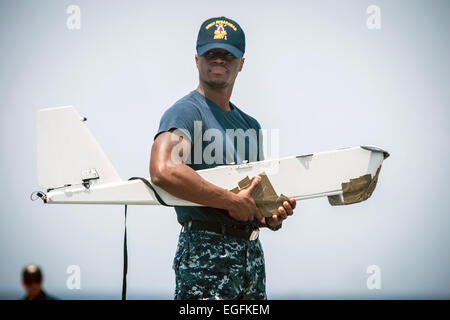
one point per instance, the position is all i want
(220, 96)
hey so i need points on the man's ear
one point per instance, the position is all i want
(196, 60)
(242, 64)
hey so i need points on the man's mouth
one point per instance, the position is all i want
(218, 70)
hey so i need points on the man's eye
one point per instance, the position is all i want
(214, 53)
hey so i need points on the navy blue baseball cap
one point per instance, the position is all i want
(221, 33)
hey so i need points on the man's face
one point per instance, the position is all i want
(218, 68)
(33, 288)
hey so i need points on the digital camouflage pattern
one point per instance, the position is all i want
(213, 266)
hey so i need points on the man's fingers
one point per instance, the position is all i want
(282, 212)
(259, 215)
(288, 208)
(254, 184)
(293, 203)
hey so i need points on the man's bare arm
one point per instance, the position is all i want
(170, 173)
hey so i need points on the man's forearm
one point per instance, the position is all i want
(183, 182)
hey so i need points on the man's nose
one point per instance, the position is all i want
(219, 59)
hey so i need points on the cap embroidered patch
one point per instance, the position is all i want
(220, 32)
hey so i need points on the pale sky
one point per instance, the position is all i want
(313, 70)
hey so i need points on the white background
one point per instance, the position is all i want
(313, 70)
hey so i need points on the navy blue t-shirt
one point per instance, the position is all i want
(209, 127)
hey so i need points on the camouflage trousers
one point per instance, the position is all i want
(212, 266)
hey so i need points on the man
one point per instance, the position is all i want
(218, 254)
(32, 282)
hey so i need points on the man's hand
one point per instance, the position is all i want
(243, 207)
(286, 210)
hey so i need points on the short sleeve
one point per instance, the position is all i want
(182, 115)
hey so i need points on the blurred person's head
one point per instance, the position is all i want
(32, 280)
